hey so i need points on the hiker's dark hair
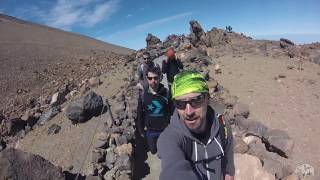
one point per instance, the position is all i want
(154, 69)
(146, 53)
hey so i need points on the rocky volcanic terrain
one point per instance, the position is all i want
(71, 101)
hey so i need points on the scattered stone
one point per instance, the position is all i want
(2, 145)
(282, 76)
(45, 117)
(119, 108)
(94, 81)
(54, 129)
(212, 85)
(251, 139)
(129, 132)
(285, 43)
(13, 126)
(57, 99)
(123, 163)
(217, 69)
(124, 149)
(229, 100)
(249, 167)
(110, 175)
(258, 149)
(273, 167)
(102, 141)
(304, 170)
(290, 67)
(26, 116)
(103, 136)
(124, 177)
(241, 109)
(97, 156)
(90, 177)
(292, 177)
(240, 146)
(37, 115)
(110, 158)
(16, 164)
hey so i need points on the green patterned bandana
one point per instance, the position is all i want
(188, 82)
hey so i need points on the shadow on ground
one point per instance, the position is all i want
(141, 169)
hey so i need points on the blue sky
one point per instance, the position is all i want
(127, 22)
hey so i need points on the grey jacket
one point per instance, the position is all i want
(174, 161)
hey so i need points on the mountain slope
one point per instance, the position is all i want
(36, 59)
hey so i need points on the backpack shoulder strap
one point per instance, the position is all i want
(222, 130)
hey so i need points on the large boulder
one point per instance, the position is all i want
(285, 43)
(198, 36)
(85, 107)
(250, 167)
(152, 41)
(16, 164)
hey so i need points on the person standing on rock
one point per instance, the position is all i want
(153, 109)
(143, 67)
(197, 144)
(171, 66)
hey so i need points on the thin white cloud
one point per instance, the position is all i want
(67, 13)
(129, 16)
(102, 12)
(148, 25)
(29, 12)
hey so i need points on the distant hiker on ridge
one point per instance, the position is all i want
(153, 109)
(197, 144)
(171, 66)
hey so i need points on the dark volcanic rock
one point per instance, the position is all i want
(2, 144)
(45, 117)
(15, 165)
(284, 43)
(54, 129)
(198, 36)
(13, 126)
(84, 108)
(152, 41)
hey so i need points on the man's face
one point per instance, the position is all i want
(153, 80)
(145, 58)
(192, 109)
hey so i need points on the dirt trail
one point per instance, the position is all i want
(290, 103)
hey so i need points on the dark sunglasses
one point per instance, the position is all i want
(155, 78)
(195, 102)
(145, 58)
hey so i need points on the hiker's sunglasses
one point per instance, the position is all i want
(155, 78)
(195, 102)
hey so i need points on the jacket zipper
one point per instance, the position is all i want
(206, 156)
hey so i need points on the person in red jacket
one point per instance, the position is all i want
(171, 66)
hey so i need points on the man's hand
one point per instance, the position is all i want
(228, 177)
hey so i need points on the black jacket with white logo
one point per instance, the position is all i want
(153, 110)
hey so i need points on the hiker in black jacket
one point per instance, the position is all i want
(153, 109)
(197, 144)
(171, 66)
(143, 67)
